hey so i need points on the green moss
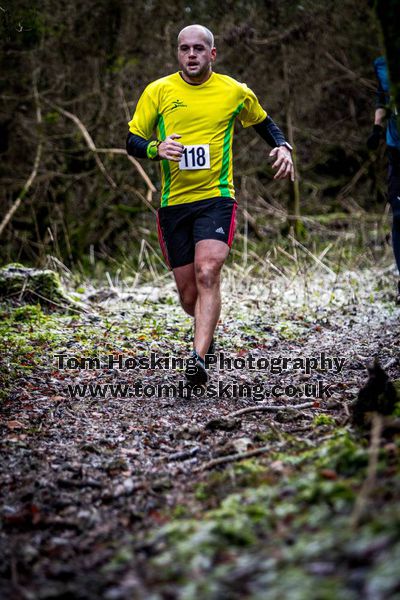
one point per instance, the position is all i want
(323, 420)
(180, 510)
(28, 336)
(201, 491)
(23, 284)
(123, 557)
(252, 521)
(51, 117)
(289, 330)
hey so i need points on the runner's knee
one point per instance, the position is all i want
(207, 273)
(188, 297)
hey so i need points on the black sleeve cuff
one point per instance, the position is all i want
(136, 145)
(270, 132)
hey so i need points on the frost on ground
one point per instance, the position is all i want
(157, 496)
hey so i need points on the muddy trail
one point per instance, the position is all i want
(117, 483)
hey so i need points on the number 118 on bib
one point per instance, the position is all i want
(195, 157)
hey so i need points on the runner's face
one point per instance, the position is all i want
(195, 56)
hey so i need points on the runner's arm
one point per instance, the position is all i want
(281, 151)
(154, 149)
(382, 98)
(271, 133)
(138, 146)
(381, 112)
(381, 106)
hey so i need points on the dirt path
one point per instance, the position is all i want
(84, 481)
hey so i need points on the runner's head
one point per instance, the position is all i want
(196, 53)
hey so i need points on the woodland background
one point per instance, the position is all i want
(71, 64)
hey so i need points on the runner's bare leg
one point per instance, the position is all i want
(187, 287)
(210, 256)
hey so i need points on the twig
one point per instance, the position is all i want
(275, 268)
(23, 289)
(233, 457)
(278, 37)
(88, 139)
(390, 363)
(78, 310)
(183, 455)
(317, 260)
(283, 251)
(369, 483)
(124, 103)
(135, 162)
(259, 259)
(349, 186)
(253, 223)
(36, 163)
(367, 83)
(268, 408)
(91, 145)
(294, 188)
(145, 201)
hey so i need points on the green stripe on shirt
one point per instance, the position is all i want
(226, 154)
(164, 164)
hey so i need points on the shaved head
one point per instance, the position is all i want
(196, 53)
(200, 29)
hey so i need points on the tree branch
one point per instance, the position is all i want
(365, 82)
(135, 162)
(91, 145)
(269, 408)
(36, 163)
(233, 457)
(88, 139)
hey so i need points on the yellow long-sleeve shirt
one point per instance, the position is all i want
(204, 116)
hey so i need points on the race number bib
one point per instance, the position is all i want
(195, 157)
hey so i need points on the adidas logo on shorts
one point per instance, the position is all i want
(220, 230)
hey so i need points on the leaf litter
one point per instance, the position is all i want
(178, 498)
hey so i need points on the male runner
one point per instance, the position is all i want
(193, 113)
(384, 109)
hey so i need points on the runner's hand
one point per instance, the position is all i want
(170, 149)
(283, 163)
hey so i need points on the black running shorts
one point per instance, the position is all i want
(181, 226)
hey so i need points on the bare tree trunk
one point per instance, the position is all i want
(8, 216)
(294, 188)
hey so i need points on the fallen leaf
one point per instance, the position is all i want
(328, 474)
(15, 425)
